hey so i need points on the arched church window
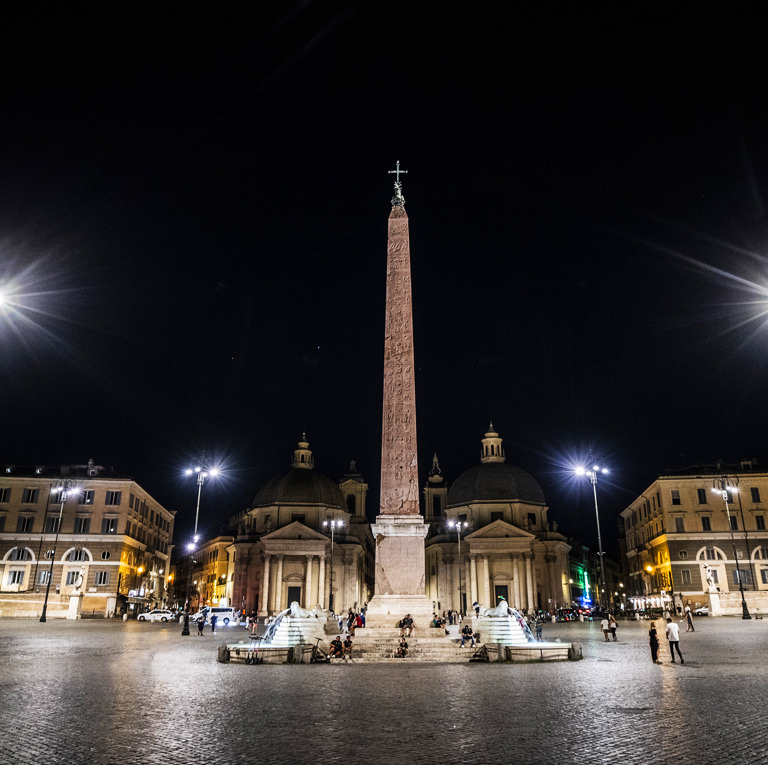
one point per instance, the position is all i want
(351, 503)
(437, 507)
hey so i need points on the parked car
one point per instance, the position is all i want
(701, 611)
(157, 615)
(223, 615)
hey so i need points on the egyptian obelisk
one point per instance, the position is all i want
(399, 529)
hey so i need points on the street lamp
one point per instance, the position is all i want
(592, 474)
(459, 525)
(723, 485)
(333, 525)
(202, 470)
(64, 487)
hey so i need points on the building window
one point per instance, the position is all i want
(743, 574)
(73, 577)
(16, 577)
(675, 497)
(113, 497)
(29, 496)
(2, 524)
(77, 555)
(702, 495)
(44, 577)
(711, 554)
(52, 524)
(24, 524)
(130, 500)
(713, 576)
(85, 497)
(764, 575)
(102, 577)
(5, 495)
(297, 517)
(760, 521)
(706, 524)
(683, 554)
(754, 492)
(531, 519)
(685, 575)
(734, 523)
(20, 553)
(82, 525)
(106, 555)
(109, 526)
(679, 525)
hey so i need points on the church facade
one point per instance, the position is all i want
(305, 538)
(490, 538)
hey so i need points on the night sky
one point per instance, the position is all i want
(193, 221)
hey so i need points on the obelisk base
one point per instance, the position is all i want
(399, 588)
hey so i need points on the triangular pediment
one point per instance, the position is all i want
(500, 530)
(294, 531)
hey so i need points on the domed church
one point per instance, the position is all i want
(305, 538)
(490, 537)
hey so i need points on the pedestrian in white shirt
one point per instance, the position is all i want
(673, 636)
(605, 626)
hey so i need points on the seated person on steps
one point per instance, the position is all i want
(467, 634)
(337, 649)
(402, 649)
(347, 646)
(407, 626)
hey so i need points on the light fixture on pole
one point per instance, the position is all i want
(202, 471)
(458, 526)
(333, 525)
(592, 474)
(64, 487)
(723, 486)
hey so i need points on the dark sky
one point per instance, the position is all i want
(193, 211)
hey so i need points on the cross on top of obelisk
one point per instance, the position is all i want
(398, 200)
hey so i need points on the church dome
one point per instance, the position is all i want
(301, 485)
(493, 480)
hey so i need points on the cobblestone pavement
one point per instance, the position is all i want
(127, 693)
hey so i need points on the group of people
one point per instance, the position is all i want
(673, 637)
(341, 648)
(608, 625)
(351, 621)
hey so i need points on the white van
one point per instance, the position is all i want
(224, 616)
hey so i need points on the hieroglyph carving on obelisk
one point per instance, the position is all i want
(399, 466)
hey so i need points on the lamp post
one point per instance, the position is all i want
(202, 470)
(459, 525)
(723, 485)
(63, 487)
(333, 525)
(592, 474)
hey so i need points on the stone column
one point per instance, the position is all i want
(529, 581)
(308, 582)
(516, 584)
(553, 594)
(473, 570)
(279, 585)
(321, 583)
(264, 594)
(468, 582)
(487, 584)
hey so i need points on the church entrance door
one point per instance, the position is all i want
(294, 593)
(501, 590)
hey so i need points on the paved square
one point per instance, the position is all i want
(125, 693)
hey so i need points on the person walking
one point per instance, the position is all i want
(605, 627)
(214, 618)
(200, 625)
(689, 620)
(539, 629)
(653, 641)
(673, 636)
(612, 627)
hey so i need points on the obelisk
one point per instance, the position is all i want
(399, 529)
